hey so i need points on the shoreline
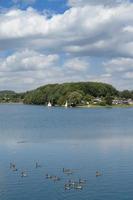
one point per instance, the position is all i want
(10, 103)
(79, 106)
(107, 106)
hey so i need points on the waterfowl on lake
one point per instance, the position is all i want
(67, 186)
(55, 178)
(37, 165)
(13, 167)
(72, 183)
(23, 174)
(78, 187)
(81, 181)
(98, 173)
(67, 171)
(48, 176)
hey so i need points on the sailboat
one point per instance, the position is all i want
(66, 104)
(49, 104)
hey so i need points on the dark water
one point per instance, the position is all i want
(84, 140)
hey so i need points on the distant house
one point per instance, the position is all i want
(130, 101)
(122, 101)
(97, 100)
(117, 101)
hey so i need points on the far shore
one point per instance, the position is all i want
(106, 106)
(78, 106)
(11, 103)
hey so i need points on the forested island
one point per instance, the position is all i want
(75, 94)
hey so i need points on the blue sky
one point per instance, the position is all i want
(50, 41)
(58, 6)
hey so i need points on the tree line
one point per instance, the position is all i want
(75, 93)
(79, 93)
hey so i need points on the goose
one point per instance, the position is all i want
(67, 186)
(37, 165)
(13, 167)
(67, 171)
(23, 174)
(55, 178)
(78, 187)
(48, 176)
(82, 181)
(72, 183)
(98, 174)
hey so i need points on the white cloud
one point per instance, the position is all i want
(27, 61)
(119, 65)
(77, 64)
(87, 31)
(96, 2)
(28, 69)
(128, 75)
(90, 31)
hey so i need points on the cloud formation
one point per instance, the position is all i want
(32, 68)
(27, 61)
(65, 47)
(96, 2)
(119, 65)
(96, 31)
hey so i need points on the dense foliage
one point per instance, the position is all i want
(7, 96)
(74, 93)
(80, 93)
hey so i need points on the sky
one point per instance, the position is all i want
(56, 41)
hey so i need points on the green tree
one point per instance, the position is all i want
(126, 94)
(88, 98)
(108, 100)
(75, 98)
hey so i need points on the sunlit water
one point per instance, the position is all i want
(84, 140)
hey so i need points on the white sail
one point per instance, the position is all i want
(49, 104)
(66, 104)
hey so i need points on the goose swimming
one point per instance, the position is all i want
(13, 167)
(78, 187)
(67, 171)
(23, 174)
(67, 186)
(98, 174)
(55, 178)
(37, 165)
(48, 176)
(82, 181)
(72, 183)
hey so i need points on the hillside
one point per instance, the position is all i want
(7, 96)
(76, 93)
(80, 93)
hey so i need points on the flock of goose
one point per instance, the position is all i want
(71, 184)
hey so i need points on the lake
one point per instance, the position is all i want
(83, 140)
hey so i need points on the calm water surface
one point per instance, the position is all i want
(84, 140)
